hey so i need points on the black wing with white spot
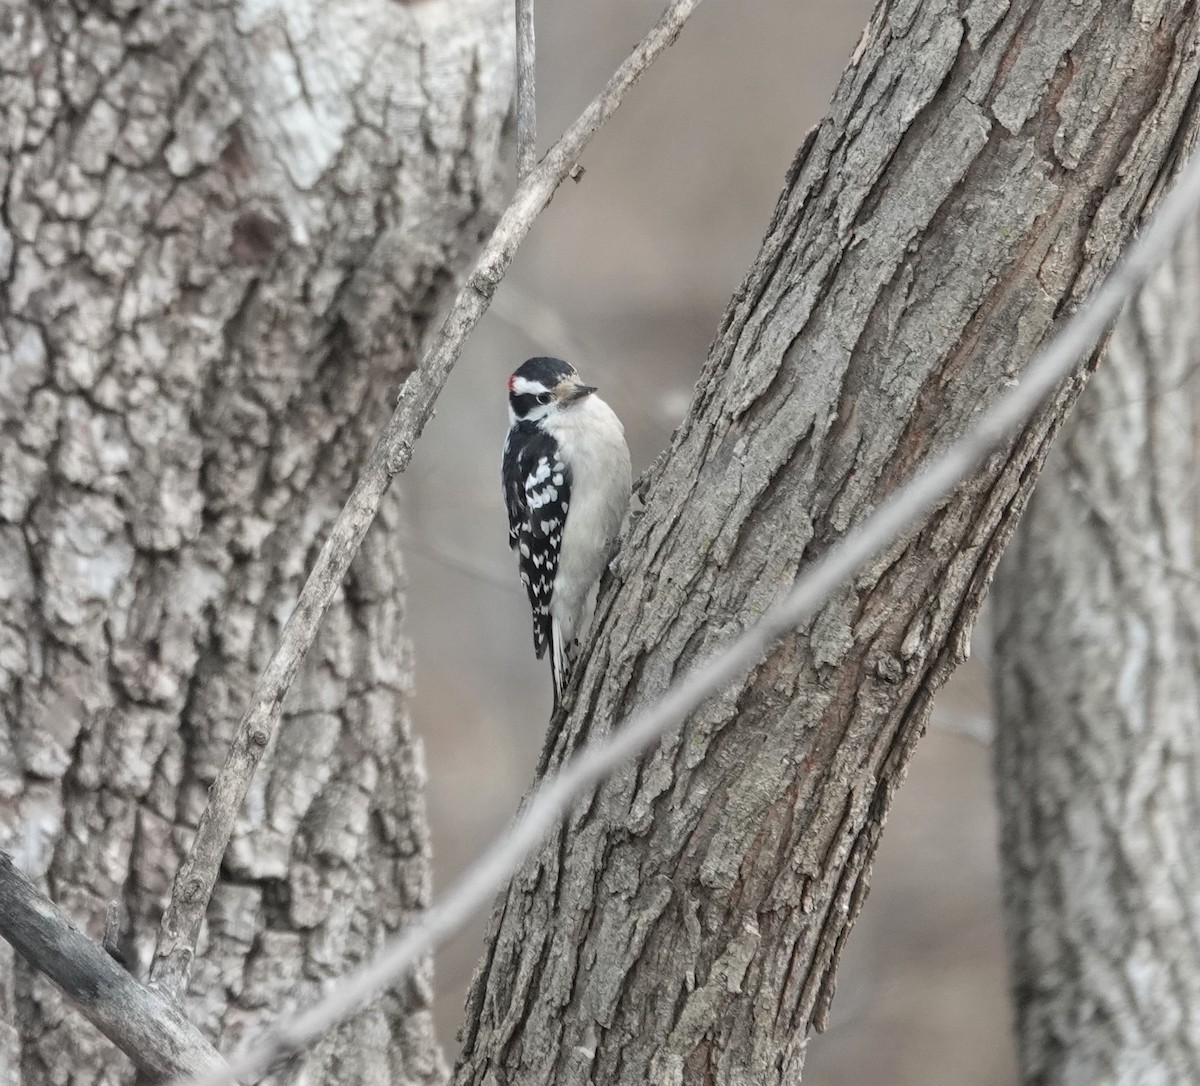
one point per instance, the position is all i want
(537, 491)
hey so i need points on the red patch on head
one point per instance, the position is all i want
(511, 378)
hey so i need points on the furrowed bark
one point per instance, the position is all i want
(1097, 685)
(221, 245)
(977, 174)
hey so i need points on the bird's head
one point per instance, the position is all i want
(543, 386)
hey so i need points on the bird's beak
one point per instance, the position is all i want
(579, 392)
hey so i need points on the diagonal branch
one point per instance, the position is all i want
(194, 884)
(150, 1029)
(898, 513)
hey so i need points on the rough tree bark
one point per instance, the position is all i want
(221, 241)
(981, 166)
(1097, 679)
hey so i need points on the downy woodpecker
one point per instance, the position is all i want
(566, 484)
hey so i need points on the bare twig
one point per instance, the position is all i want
(540, 323)
(151, 1030)
(1115, 525)
(194, 884)
(899, 512)
(461, 563)
(526, 78)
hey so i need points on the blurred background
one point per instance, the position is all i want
(627, 275)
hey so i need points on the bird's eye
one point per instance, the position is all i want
(544, 397)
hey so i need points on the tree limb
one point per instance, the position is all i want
(148, 1027)
(194, 884)
(975, 179)
(526, 82)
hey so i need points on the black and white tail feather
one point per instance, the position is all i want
(562, 660)
(566, 487)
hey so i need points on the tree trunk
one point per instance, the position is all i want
(1098, 691)
(221, 241)
(976, 176)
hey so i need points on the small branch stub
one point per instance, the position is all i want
(112, 933)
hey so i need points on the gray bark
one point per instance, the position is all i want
(978, 172)
(144, 1024)
(1097, 684)
(221, 242)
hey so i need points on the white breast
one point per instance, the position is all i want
(591, 441)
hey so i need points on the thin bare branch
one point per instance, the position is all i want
(898, 513)
(461, 563)
(526, 79)
(194, 884)
(543, 325)
(150, 1029)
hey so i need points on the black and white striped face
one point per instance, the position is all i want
(541, 387)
